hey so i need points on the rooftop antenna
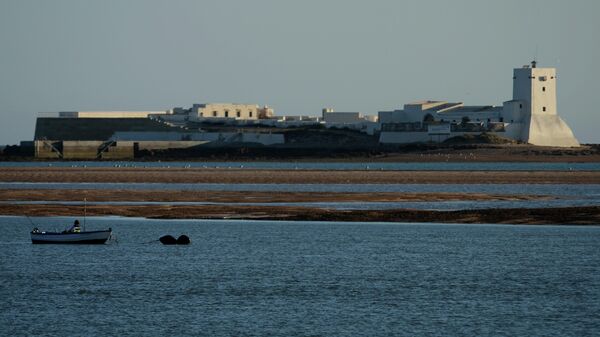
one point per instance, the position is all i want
(538, 14)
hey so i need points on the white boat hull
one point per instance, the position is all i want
(93, 237)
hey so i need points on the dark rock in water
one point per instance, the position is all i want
(167, 240)
(170, 240)
(183, 240)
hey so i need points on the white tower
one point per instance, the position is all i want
(535, 90)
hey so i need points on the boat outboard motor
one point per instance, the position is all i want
(167, 240)
(183, 240)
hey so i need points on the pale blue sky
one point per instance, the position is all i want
(296, 56)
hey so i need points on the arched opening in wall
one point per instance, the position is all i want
(428, 119)
(543, 108)
(543, 88)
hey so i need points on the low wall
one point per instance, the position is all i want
(117, 150)
(163, 145)
(391, 137)
(80, 149)
(164, 140)
(47, 149)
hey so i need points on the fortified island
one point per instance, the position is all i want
(529, 117)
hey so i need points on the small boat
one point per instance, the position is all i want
(90, 237)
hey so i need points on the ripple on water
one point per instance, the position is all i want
(289, 278)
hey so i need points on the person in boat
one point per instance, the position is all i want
(75, 228)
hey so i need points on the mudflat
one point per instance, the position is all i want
(255, 176)
(559, 216)
(91, 196)
(233, 209)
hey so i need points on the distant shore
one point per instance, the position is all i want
(257, 176)
(418, 152)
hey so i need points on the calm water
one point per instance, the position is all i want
(438, 166)
(301, 278)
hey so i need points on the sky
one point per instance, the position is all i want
(295, 56)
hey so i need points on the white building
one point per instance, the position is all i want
(224, 110)
(530, 117)
(352, 120)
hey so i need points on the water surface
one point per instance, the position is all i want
(302, 278)
(537, 189)
(290, 165)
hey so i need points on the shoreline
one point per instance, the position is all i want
(417, 152)
(269, 176)
(235, 210)
(589, 216)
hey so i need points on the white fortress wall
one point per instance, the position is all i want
(536, 88)
(224, 110)
(513, 130)
(531, 116)
(550, 130)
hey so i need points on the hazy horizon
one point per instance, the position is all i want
(296, 57)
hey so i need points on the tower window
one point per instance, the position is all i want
(520, 106)
(543, 108)
(543, 88)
